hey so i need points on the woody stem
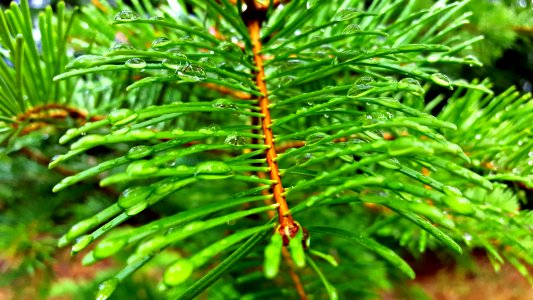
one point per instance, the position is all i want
(285, 218)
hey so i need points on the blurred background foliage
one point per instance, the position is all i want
(32, 217)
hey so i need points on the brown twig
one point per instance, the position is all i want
(228, 91)
(294, 276)
(285, 253)
(523, 29)
(99, 5)
(287, 224)
(285, 218)
(38, 117)
(54, 110)
(289, 145)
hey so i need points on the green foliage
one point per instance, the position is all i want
(365, 167)
(28, 82)
(512, 16)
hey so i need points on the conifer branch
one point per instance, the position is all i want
(294, 276)
(285, 253)
(285, 218)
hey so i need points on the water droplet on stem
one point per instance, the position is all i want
(135, 63)
(126, 16)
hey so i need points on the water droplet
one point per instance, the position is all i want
(356, 141)
(178, 272)
(441, 79)
(214, 127)
(192, 72)
(452, 191)
(56, 158)
(72, 132)
(161, 42)
(134, 195)
(290, 64)
(82, 243)
(137, 208)
(458, 203)
(377, 116)
(79, 228)
(176, 52)
(361, 85)
(85, 61)
(187, 38)
(351, 29)
(194, 226)
(122, 131)
(230, 48)
(165, 188)
(209, 129)
(315, 138)
(208, 62)
(213, 170)
(198, 147)
(106, 288)
(151, 246)
(393, 164)
(142, 134)
(301, 159)
(413, 85)
(120, 46)
(121, 116)
(471, 60)
(139, 152)
(171, 63)
(156, 18)
(467, 237)
(235, 139)
(224, 104)
(364, 80)
(126, 16)
(135, 63)
(410, 82)
(346, 14)
(350, 54)
(141, 167)
(285, 80)
(108, 247)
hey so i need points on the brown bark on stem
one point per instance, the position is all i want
(285, 218)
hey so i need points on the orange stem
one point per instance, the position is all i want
(99, 5)
(285, 218)
(294, 276)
